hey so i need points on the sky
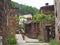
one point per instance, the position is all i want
(35, 3)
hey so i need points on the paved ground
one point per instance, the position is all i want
(36, 43)
(23, 42)
(33, 43)
(0, 43)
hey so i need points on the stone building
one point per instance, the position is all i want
(12, 22)
(57, 15)
(32, 29)
(47, 9)
(47, 30)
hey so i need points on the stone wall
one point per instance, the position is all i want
(8, 21)
(57, 14)
(4, 8)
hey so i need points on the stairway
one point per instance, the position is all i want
(20, 41)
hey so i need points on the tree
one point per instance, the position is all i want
(13, 4)
(44, 19)
(39, 18)
(50, 18)
(28, 9)
(24, 9)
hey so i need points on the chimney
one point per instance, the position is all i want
(46, 4)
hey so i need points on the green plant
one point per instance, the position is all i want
(13, 4)
(40, 38)
(53, 42)
(39, 18)
(21, 25)
(12, 41)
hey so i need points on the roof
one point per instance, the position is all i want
(28, 16)
(49, 7)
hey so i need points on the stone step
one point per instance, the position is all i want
(0, 43)
(20, 41)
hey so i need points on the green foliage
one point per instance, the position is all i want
(39, 17)
(12, 41)
(17, 18)
(51, 18)
(42, 17)
(13, 4)
(40, 38)
(21, 25)
(23, 9)
(28, 9)
(53, 42)
(21, 17)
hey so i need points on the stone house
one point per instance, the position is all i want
(47, 9)
(31, 28)
(47, 30)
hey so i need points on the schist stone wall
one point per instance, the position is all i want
(57, 14)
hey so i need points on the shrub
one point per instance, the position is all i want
(40, 38)
(12, 41)
(53, 42)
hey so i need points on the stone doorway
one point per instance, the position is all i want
(50, 33)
